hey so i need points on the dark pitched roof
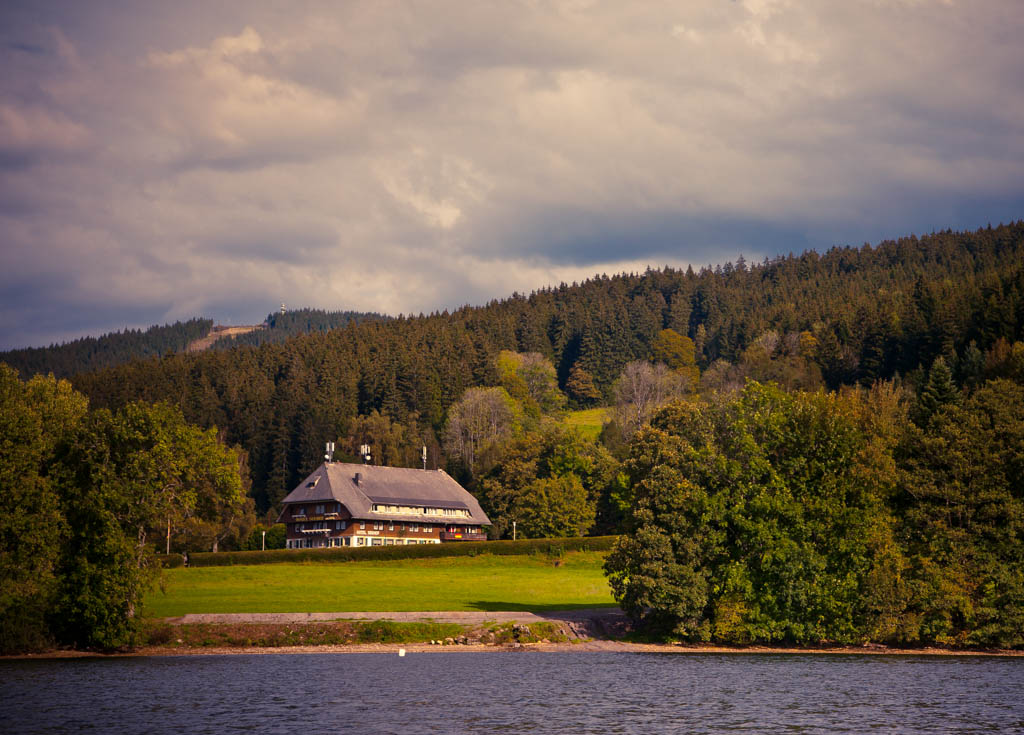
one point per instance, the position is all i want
(388, 486)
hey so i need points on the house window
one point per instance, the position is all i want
(320, 510)
(378, 526)
(414, 527)
(391, 526)
(340, 525)
(362, 525)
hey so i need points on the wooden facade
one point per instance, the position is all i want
(347, 505)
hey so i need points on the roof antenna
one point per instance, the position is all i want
(364, 452)
(424, 456)
(329, 456)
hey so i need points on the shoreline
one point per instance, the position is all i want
(589, 630)
(585, 646)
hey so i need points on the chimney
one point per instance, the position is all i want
(357, 478)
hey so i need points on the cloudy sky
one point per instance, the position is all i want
(163, 160)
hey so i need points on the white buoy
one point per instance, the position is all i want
(401, 651)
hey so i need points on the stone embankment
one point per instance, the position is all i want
(597, 622)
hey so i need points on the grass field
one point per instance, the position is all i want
(589, 422)
(485, 582)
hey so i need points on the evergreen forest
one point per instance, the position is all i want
(283, 325)
(95, 353)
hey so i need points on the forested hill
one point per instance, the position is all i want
(850, 315)
(281, 326)
(96, 353)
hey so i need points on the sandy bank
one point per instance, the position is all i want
(601, 646)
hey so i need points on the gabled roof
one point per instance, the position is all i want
(336, 481)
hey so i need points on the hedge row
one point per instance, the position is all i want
(170, 560)
(550, 546)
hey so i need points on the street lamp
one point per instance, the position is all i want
(264, 541)
(513, 530)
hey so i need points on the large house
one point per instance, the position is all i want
(362, 505)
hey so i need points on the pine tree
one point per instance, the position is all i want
(939, 391)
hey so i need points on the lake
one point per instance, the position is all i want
(515, 692)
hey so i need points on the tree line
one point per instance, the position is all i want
(849, 316)
(281, 326)
(89, 496)
(96, 353)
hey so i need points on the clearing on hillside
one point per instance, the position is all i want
(589, 421)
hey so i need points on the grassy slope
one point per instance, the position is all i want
(589, 422)
(456, 583)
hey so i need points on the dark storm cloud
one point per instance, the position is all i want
(28, 48)
(49, 305)
(581, 238)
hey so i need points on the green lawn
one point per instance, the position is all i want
(484, 582)
(589, 422)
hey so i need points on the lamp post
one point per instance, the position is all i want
(513, 530)
(264, 541)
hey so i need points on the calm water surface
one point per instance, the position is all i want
(504, 692)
